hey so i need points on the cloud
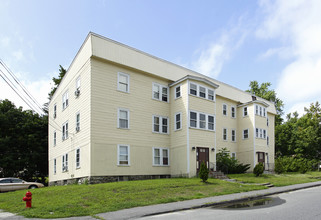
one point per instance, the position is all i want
(211, 58)
(18, 55)
(5, 41)
(297, 25)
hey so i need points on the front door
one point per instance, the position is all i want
(202, 155)
(261, 158)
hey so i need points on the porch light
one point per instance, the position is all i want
(213, 149)
(193, 148)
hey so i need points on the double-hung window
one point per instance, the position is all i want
(65, 131)
(256, 109)
(233, 113)
(193, 119)
(55, 166)
(210, 94)
(233, 135)
(123, 155)
(201, 121)
(65, 101)
(245, 111)
(245, 133)
(224, 109)
(178, 122)
(177, 92)
(77, 122)
(54, 138)
(192, 89)
(160, 92)
(202, 92)
(123, 82)
(77, 92)
(65, 163)
(123, 118)
(55, 111)
(210, 122)
(78, 158)
(160, 124)
(160, 156)
(225, 134)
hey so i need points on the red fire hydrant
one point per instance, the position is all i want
(28, 199)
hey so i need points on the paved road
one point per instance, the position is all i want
(301, 204)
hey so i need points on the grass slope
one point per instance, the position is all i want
(88, 200)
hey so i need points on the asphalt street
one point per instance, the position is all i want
(301, 204)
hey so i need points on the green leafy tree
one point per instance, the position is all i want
(203, 173)
(227, 164)
(23, 142)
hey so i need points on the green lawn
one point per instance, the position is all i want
(278, 179)
(83, 200)
(89, 200)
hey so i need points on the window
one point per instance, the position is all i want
(224, 109)
(55, 166)
(210, 122)
(123, 82)
(193, 89)
(193, 119)
(65, 163)
(261, 133)
(260, 110)
(233, 135)
(123, 118)
(123, 155)
(65, 131)
(225, 134)
(245, 133)
(264, 134)
(233, 112)
(160, 156)
(78, 158)
(267, 140)
(267, 121)
(178, 124)
(55, 111)
(160, 124)
(160, 92)
(65, 100)
(202, 121)
(78, 122)
(54, 138)
(78, 83)
(245, 111)
(202, 92)
(264, 112)
(178, 92)
(256, 109)
(233, 155)
(210, 94)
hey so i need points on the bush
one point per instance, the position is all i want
(203, 173)
(294, 164)
(258, 169)
(229, 165)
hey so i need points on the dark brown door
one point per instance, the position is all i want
(202, 155)
(261, 157)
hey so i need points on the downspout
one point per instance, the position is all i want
(254, 132)
(187, 131)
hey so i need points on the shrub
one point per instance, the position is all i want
(203, 173)
(258, 169)
(294, 164)
(226, 164)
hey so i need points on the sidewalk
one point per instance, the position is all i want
(184, 205)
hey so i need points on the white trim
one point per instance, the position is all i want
(161, 156)
(77, 165)
(247, 111)
(65, 100)
(55, 166)
(233, 106)
(118, 117)
(128, 154)
(226, 134)
(77, 123)
(55, 138)
(198, 120)
(65, 133)
(160, 98)
(247, 134)
(180, 91)
(65, 161)
(234, 135)
(223, 109)
(128, 81)
(187, 131)
(198, 90)
(160, 131)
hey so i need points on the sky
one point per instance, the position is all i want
(235, 41)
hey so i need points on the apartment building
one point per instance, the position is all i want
(122, 114)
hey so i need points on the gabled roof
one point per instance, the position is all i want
(196, 78)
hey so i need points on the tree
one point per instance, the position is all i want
(203, 173)
(264, 92)
(23, 142)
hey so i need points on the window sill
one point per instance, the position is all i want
(155, 132)
(160, 100)
(196, 96)
(200, 129)
(123, 165)
(127, 92)
(155, 165)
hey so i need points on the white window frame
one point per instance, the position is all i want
(245, 111)
(256, 109)
(118, 118)
(190, 89)
(248, 134)
(55, 111)
(264, 134)
(233, 110)
(65, 163)
(160, 124)
(208, 94)
(233, 155)
(178, 122)
(78, 83)
(261, 133)
(264, 112)
(55, 138)
(224, 105)
(267, 140)
(267, 121)
(55, 166)
(198, 121)
(160, 92)
(224, 134)
(233, 136)
(127, 84)
(119, 155)
(65, 100)
(202, 122)
(161, 156)
(198, 92)
(202, 91)
(77, 158)
(78, 122)
(65, 127)
(178, 94)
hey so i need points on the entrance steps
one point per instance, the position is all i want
(217, 175)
